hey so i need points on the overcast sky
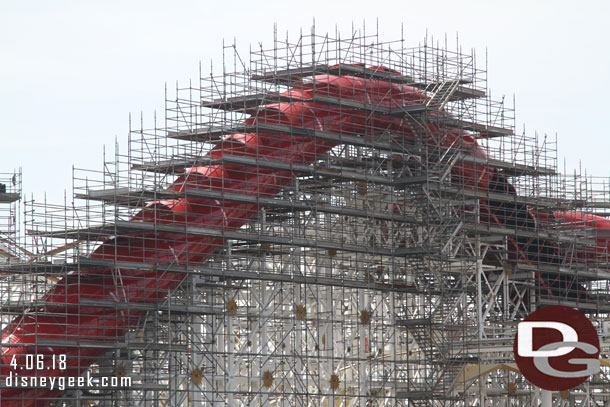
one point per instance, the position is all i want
(72, 71)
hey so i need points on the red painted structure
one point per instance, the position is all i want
(65, 319)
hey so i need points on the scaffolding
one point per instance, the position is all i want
(10, 217)
(369, 269)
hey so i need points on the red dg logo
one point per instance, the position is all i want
(557, 348)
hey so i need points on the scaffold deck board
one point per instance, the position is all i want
(414, 322)
(423, 395)
(533, 201)
(302, 169)
(206, 270)
(288, 76)
(521, 232)
(512, 169)
(18, 307)
(461, 93)
(7, 197)
(589, 272)
(180, 165)
(251, 102)
(536, 202)
(37, 268)
(398, 111)
(315, 170)
(129, 227)
(125, 196)
(204, 134)
(581, 305)
(40, 341)
(482, 130)
(247, 102)
(292, 77)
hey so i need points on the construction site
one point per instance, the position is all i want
(327, 222)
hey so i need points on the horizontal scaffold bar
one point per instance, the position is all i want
(206, 134)
(205, 270)
(131, 227)
(292, 77)
(129, 197)
(18, 307)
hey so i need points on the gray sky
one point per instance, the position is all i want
(72, 71)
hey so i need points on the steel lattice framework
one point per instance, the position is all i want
(377, 275)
